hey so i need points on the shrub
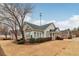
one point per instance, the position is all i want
(59, 38)
(40, 40)
(21, 41)
(32, 40)
(7, 39)
(49, 38)
(70, 37)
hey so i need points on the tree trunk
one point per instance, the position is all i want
(16, 35)
(5, 36)
(22, 33)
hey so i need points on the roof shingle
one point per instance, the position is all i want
(43, 27)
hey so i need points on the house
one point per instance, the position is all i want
(35, 31)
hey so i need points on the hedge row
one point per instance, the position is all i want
(40, 40)
(20, 41)
(59, 38)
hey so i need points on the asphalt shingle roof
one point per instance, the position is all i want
(33, 25)
(43, 27)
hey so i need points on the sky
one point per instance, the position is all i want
(63, 15)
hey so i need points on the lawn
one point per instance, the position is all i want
(51, 48)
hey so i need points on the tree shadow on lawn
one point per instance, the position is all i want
(2, 52)
(28, 43)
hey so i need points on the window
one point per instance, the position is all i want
(34, 34)
(47, 34)
(27, 33)
(40, 34)
(37, 34)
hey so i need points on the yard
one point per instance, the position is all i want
(52, 48)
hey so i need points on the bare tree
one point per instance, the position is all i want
(4, 30)
(11, 26)
(13, 15)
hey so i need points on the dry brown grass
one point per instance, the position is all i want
(58, 47)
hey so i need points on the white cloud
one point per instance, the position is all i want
(71, 23)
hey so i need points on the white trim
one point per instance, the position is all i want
(50, 25)
(29, 26)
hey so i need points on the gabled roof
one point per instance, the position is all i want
(43, 27)
(33, 25)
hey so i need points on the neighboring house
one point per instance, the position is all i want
(75, 33)
(66, 34)
(35, 31)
